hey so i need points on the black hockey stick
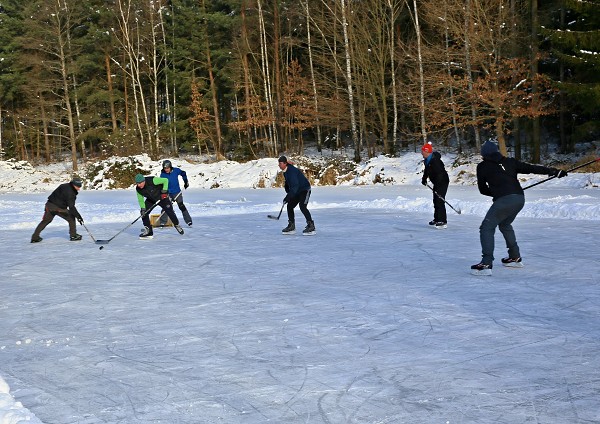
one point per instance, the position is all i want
(163, 211)
(279, 215)
(88, 231)
(446, 202)
(568, 170)
(134, 221)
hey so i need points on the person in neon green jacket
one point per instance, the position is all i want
(152, 191)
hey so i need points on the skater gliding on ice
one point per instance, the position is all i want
(497, 178)
(435, 171)
(149, 191)
(175, 193)
(297, 188)
(62, 203)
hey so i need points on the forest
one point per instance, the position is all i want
(245, 79)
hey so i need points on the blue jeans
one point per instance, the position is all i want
(503, 212)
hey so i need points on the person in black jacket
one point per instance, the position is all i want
(152, 191)
(497, 178)
(297, 188)
(435, 171)
(61, 202)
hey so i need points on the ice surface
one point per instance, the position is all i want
(376, 319)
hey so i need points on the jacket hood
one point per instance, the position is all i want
(494, 157)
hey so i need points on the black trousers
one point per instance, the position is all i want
(439, 207)
(166, 206)
(302, 200)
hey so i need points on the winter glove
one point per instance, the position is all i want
(163, 195)
(559, 173)
(186, 185)
(143, 211)
(80, 220)
(424, 181)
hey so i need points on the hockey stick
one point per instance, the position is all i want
(446, 202)
(88, 231)
(134, 221)
(163, 211)
(568, 170)
(279, 215)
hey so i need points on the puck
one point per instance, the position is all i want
(101, 247)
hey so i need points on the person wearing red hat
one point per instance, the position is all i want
(435, 171)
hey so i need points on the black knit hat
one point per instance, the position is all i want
(489, 148)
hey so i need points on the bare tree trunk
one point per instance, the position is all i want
(111, 96)
(355, 140)
(312, 78)
(536, 131)
(469, 70)
(154, 71)
(131, 47)
(277, 62)
(421, 77)
(67, 14)
(272, 145)
(66, 93)
(45, 128)
(392, 41)
(166, 76)
(451, 90)
(215, 102)
(246, 67)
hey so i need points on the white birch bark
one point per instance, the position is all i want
(421, 77)
(355, 140)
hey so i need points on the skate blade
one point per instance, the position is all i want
(514, 265)
(312, 233)
(289, 233)
(484, 272)
(147, 238)
(440, 227)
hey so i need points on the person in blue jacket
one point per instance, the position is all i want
(297, 188)
(173, 174)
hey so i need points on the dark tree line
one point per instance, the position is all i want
(253, 78)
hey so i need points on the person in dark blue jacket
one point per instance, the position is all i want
(497, 178)
(435, 171)
(297, 188)
(173, 174)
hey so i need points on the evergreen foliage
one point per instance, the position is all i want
(255, 78)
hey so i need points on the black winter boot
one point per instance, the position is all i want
(290, 229)
(310, 228)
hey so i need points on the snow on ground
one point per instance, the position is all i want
(376, 319)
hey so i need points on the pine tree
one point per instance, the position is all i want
(573, 34)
